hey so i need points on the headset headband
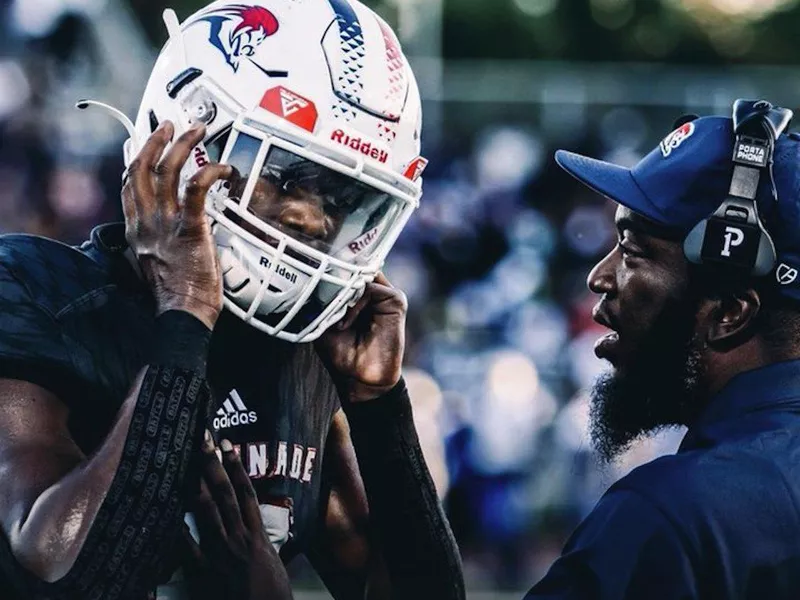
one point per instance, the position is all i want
(734, 235)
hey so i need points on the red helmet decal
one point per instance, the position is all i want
(291, 106)
(415, 168)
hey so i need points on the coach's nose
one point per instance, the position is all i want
(602, 278)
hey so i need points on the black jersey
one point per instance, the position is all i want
(79, 322)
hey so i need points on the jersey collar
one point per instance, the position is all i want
(775, 387)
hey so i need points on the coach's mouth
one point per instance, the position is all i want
(607, 347)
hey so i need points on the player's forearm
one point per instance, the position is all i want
(47, 542)
(108, 523)
(418, 546)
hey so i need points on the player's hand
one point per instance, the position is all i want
(171, 236)
(234, 559)
(364, 351)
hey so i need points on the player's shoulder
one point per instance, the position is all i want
(49, 273)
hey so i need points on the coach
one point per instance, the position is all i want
(702, 298)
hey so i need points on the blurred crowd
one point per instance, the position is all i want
(494, 263)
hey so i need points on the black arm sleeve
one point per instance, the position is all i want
(416, 540)
(142, 513)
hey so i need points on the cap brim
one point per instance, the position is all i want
(612, 181)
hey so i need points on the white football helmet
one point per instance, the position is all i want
(314, 104)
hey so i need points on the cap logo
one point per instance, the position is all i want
(676, 138)
(785, 274)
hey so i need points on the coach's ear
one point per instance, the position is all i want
(728, 320)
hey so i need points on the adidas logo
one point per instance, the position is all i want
(233, 413)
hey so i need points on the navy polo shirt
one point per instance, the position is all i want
(719, 519)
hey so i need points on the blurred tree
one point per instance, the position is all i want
(678, 31)
(625, 30)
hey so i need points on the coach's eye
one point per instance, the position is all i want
(629, 250)
(248, 51)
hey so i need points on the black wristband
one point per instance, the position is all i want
(181, 340)
(390, 407)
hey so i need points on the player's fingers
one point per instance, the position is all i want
(169, 168)
(128, 202)
(352, 313)
(170, 165)
(245, 493)
(209, 521)
(222, 493)
(389, 301)
(207, 518)
(192, 557)
(379, 297)
(197, 190)
(142, 167)
(385, 298)
(382, 280)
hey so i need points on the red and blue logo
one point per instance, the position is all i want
(237, 30)
(674, 140)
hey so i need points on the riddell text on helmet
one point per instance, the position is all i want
(356, 143)
(281, 271)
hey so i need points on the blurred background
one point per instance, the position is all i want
(495, 260)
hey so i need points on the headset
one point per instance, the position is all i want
(734, 236)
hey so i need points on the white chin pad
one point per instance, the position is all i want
(243, 275)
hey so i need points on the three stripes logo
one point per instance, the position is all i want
(233, 413)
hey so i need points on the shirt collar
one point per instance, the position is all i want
(108, 240)
(771, 387)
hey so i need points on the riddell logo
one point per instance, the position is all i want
(200, 157)
(356, 143)
(281, 270)
(362, 243)
(233, 413)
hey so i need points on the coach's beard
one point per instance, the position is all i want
(659, 389)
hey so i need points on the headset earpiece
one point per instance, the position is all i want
(734, 236)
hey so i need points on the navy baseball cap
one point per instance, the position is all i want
(687, 177)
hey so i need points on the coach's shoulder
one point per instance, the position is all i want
(668, 479)
(691, 489)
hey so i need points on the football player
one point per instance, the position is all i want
(272, 165)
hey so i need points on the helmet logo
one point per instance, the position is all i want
(415, 168)
(370, 149)
(291, 106)
(238, 30)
